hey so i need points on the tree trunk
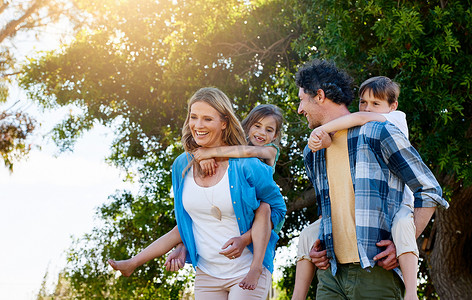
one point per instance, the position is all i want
(450, 260)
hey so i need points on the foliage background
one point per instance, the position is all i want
(136, 64)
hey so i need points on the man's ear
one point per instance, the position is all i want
(320, 95)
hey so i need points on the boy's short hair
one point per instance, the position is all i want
(382, 88)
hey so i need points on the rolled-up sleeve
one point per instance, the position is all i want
(406, 163)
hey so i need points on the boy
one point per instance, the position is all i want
(378, 102)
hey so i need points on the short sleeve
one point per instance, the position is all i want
(306, 240)
(276, 155)
(398, 118)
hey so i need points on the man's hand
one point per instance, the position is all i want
(234, 247)
(387, 259)
(318, 256)
(176, 259)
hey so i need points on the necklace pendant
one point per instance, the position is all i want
(215, 212)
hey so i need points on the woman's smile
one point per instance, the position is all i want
(206, 125)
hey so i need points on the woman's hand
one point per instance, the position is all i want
(176, 259)
(234, 247)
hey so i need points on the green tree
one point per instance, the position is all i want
(23, 19)
(15, 128)
(135, 64)
(425, 46)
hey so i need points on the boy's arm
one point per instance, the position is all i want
(263, 152)
(319, 139)
(351, 120)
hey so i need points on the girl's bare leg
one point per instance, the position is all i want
(158, 248)
(260, 233)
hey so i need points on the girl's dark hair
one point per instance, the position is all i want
(321, 74)
(262, 111)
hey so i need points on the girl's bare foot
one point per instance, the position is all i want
(250, 281)
(126, 267)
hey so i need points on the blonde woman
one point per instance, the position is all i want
(214, 210)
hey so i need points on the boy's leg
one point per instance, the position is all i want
(305, 268)
(303, 278)
(409, 266)
(158, 248)
(403, 232)
(260, 232)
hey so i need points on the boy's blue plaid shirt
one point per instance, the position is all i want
(381, 161)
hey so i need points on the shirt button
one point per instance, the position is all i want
(234, 202)
(329, 237)
(231, 186)
(239, 218)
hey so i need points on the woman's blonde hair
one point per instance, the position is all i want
(233, 134)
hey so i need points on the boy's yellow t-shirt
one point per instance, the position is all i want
(341, 193)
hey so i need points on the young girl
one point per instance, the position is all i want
(263, 127)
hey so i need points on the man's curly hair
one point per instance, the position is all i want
(321, 74)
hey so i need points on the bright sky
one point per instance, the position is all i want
(44, 202)
(48, 199)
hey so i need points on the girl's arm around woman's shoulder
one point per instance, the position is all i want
(267, 153)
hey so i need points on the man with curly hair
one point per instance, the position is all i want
(359, 182)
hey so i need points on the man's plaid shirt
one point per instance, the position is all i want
(381, 161)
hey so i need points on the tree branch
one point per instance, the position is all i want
(240, 48)
(10, 74)
(4, 6)
(306, 199)
(12, 27)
